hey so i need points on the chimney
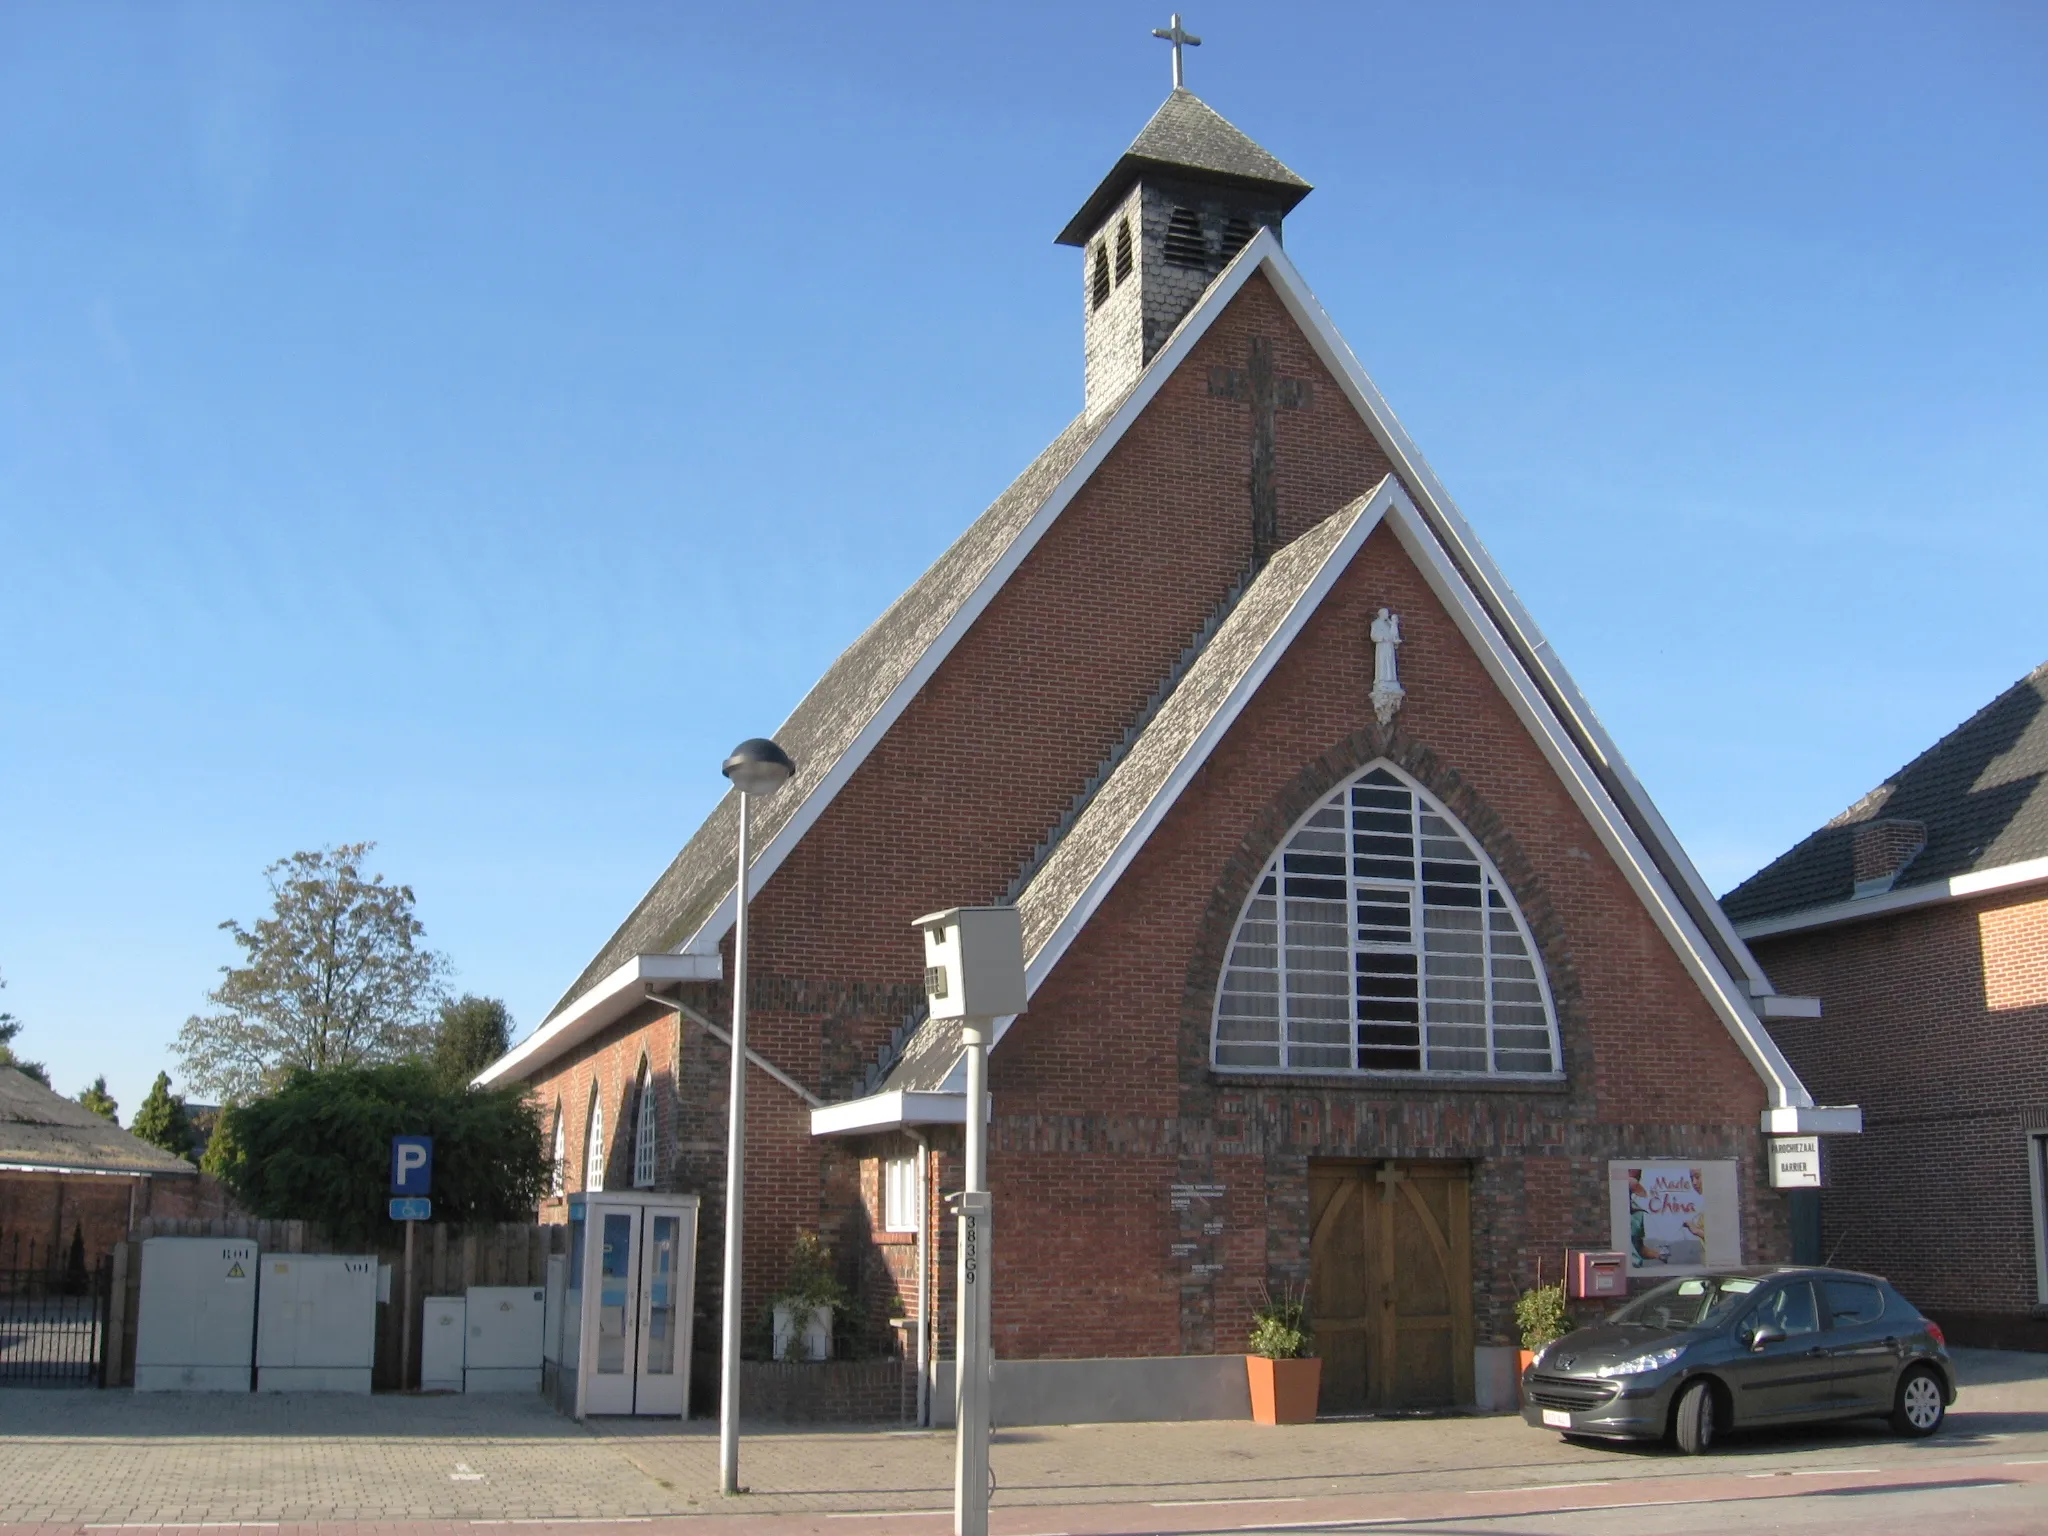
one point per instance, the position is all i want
(1880, 851)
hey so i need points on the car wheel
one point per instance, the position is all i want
(1693, 1424)
(1917, 1408)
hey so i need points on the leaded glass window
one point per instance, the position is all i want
(593, 1144)
(1380, 939)
(644, 1128)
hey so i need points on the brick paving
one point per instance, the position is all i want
(113, 1458)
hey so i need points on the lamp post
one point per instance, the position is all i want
(757, 767)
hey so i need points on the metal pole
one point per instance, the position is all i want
(924, 1280)
(971, 1372)
(735, 1178)
(405, 1354)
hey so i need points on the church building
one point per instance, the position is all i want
(1359, 964)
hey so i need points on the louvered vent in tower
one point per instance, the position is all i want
(1099, 286)
(1185, 246)
(1123, 249)
(1237, 234)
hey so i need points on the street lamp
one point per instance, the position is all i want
(757, 767)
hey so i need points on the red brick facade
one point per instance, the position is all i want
(42, 1214)
(1103, 1092)
(1933, 1021)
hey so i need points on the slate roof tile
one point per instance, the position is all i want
(1979, 790)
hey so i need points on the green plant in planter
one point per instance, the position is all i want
(810, 1284)
(1280, 1328)
(1541, 1314)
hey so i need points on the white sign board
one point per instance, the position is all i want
(1795, 1162)
(1675, 1218)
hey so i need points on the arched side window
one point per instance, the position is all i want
(558, 1170)
(1381, 939)
(593, 1145)
(644, 1128)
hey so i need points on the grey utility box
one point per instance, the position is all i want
(316, 1322)
(195, 1328)
(443, 1327)
(504, 1331)
(973, 962)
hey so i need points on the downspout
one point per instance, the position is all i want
(924, 1279)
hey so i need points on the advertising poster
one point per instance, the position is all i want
(1675, 1218)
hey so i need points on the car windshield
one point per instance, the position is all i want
(1693, 1302)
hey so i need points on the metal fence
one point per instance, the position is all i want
(53, 1324)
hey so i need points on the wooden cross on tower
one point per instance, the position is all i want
(1178, 36)
(1267, 395)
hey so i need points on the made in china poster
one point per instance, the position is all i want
(1675, 1218)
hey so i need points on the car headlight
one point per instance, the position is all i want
(1636, 1365)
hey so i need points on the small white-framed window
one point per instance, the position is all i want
(558, 1168)
(899, 1193)
(644, 1129)
(593, 1145)
(1381, 939)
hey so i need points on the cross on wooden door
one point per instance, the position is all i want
(1256, 385)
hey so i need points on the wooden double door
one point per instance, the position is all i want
(1390, 1284)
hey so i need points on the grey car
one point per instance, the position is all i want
(1743, 1348)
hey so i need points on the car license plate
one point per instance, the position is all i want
(1557, 1418)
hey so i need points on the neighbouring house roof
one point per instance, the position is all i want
(1978, 793)
(1189, 138)
(42, 1131)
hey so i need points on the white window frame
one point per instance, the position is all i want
(646, 1127)
(1269, 887)
(558, 1169)
(900, 1192)
(593, 1144)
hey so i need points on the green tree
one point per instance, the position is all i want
(161, 1120)
(222, 1150)
(336, 976)
(319, 1148)
(10, 1026)
(470, 1034)
(99, 1101)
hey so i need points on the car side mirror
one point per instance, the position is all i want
(1764, 1333)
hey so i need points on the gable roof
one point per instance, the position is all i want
(1515, 651)
(1979, 792)
(42, 1131)
(1189, 138)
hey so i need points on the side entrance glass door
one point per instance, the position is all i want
(613, 1312)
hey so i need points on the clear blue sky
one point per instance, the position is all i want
(456, 425)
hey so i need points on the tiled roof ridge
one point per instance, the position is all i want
(1876, 798)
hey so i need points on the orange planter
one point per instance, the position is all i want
(1528, 1357)
(1284, 1391)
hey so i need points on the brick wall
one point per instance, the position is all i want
(40, 1213)
(1933, 1020)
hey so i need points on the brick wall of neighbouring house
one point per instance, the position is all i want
(1103, 1094)
(1934, 1020)
(40, 1213)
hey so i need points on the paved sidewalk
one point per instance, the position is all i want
(114, 1458)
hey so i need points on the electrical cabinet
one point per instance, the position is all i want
(504, 1331)
(316, 1322)
(195, 1327)
(443, 1330)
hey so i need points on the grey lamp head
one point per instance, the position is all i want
(758, 766)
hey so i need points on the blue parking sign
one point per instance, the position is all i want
(412, 1165)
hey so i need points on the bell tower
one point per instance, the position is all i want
(1186, 197)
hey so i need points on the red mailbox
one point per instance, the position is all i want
(1597, 1276)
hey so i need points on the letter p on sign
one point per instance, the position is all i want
(412, 1165)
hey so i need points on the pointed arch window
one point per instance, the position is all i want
(593, 1145)
(558, 1166)
(1381, 939)
(644, 1129)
